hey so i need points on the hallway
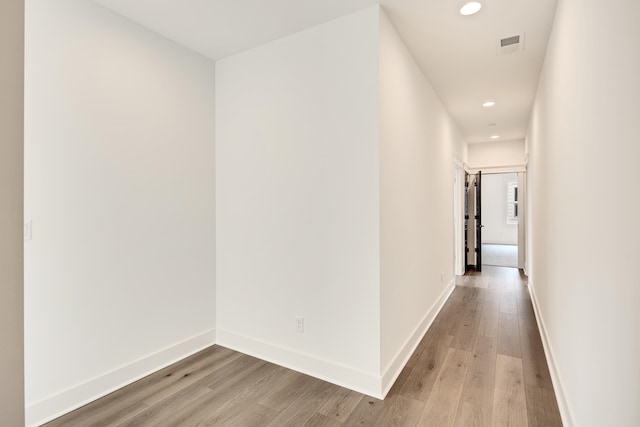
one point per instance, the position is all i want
(480, 363)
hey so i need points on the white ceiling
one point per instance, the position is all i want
(457, 53)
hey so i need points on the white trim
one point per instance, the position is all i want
(345, 376)
(398, 363)
(520, 167)
(352, 378)
(563, 404)
(458, 216)
(457, 161)
(45, 410)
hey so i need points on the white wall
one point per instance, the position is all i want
(583, 186)
(418, 141)
(494, 154)
(494, 210)
(297, 201)
(119, 185)
(11, 212)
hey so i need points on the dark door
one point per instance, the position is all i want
(478, 189)
(466, 222)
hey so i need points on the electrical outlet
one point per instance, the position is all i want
(300, 324)
(442, 276)
(28, 230)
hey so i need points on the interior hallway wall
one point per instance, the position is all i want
(11, 212)
(297, 168)
(583, 186)
(496, 154)
(418, 142)
(119, 172)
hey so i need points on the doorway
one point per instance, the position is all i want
(469, 224)
(500, 212)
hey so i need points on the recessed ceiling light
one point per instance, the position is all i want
(494, 136)
(470, 8)
(489, 104)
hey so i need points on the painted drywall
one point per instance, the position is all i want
(297, 208)
(496, 154)
(583, 178)
(11, 212)
(494, 210)
(119, 172)
(418, 142)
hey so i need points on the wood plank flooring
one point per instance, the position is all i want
(480, 364)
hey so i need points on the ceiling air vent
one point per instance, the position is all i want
(510, 45)
(509, 41)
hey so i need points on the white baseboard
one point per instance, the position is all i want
(38, 413)
(336, 373)
(45, 410)
(395, 367)
(344, 376)
(563, 405)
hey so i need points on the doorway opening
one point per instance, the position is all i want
(493, 220)
(500, 220)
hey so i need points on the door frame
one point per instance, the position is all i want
(521, 171)
(458, 218)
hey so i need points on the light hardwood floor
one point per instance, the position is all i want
(480, 364)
